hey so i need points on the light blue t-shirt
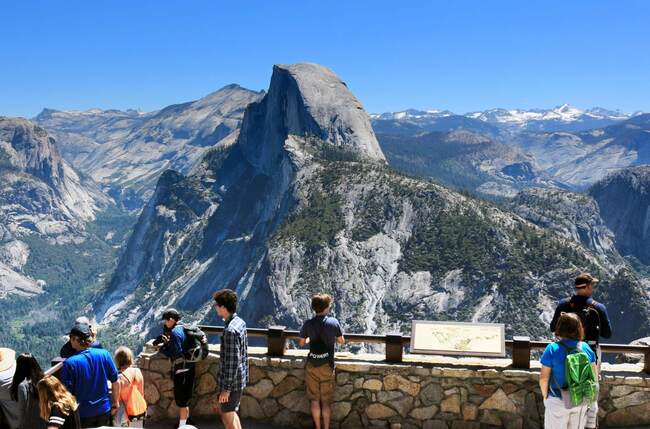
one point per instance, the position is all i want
(554, 358)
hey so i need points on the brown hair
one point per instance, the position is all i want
(320, 302)
(51, 392)
(570, 327)
(226, 298)
(123, 357)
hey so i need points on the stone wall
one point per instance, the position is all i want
(424, 392)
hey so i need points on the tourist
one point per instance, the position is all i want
(86, 376)
(129, 390)
(595, 321)
(9, 412)
(67, 350)
(58, 407)
(321, 332)
(233, 363)
(23, 390)
(560, 412)
(172, 342)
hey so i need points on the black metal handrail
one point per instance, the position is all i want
(519, 346)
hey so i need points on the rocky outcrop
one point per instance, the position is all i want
(40, 194)
(574, 216)
(303, 202)
(127, 152)
(624, 201)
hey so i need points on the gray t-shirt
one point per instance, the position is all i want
(325, 327)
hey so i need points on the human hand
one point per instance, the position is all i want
(224, 397)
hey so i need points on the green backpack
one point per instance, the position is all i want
(579, 376)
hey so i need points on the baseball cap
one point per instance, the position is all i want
(80, 329)
(171, 313)
(584, 280)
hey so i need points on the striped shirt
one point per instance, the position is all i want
(233, 364)
(63, 421)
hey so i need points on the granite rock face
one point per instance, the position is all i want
(126, 152)
(303, 202)
(624, 201)
(40, 194)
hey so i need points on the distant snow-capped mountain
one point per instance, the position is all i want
(412, 114)
(564, 114)
(561, 118)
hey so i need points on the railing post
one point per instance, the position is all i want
(521, 352)
(394, 347)
(646, 361)
(276, 341)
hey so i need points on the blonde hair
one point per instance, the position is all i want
(51, 392)
(123, 357)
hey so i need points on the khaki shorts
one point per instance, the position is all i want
(320, 381)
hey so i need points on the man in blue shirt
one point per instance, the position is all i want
(233, 362)
(321, 332)
(183, 373)
(86, 376)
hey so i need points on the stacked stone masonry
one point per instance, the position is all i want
(372, 394)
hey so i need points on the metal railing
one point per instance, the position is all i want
(520, 347)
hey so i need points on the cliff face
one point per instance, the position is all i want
(624, 200)
(572, 215)
(126, 152)
(303, 202)
(40, 195)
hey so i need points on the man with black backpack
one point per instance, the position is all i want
(321, 332)
(595, 322)
(173, 342)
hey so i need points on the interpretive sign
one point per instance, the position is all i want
(458, 338)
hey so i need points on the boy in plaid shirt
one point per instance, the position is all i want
(233, 363)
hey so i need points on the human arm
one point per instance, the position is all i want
(605, 324)
(544, 377)
(304, 336)
(22, 397)
(556, 317)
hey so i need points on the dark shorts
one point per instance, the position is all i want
(96, 421)
(232, 406)
(183, 386)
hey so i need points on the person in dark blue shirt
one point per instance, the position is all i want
(172, 343)
(593, 314)
(86, 376)
(322, 332)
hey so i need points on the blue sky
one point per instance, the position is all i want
(457, 55)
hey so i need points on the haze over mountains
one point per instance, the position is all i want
(285, 193)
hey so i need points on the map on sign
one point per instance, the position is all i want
(458, 338)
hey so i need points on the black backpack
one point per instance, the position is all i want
(195, 347)
(590, 318)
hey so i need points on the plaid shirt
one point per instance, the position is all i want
(233, 365)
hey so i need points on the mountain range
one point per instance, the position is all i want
(283, 193)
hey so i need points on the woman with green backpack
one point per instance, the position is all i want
(568, 377)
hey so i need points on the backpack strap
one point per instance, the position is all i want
(569, 350)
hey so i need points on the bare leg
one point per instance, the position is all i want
(315, 413)
(237, 422)
(230, 420)
(327, 412)
(183, 413)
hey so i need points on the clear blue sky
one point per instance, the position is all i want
(457, 55)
